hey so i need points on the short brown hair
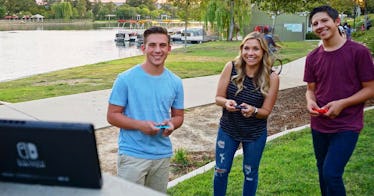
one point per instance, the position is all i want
(155, 30)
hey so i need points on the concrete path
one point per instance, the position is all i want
(91, 107)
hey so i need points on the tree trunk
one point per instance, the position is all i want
(232, 24)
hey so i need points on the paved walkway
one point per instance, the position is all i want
(92, 106)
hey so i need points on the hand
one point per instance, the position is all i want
(334, 109)
(230, 105)
(149, 128)
(312, 106)
(168, 131)
(247, 110)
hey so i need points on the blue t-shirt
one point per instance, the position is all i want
(146, 97)
(338, 74)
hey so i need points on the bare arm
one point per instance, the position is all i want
(311, 99)
(269, 101)
(270, 98)
(177, 118)
(229, 104)
(116, 118)
(223, 82)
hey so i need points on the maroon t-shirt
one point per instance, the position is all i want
(338, 74)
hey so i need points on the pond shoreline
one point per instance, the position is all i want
(11, 25)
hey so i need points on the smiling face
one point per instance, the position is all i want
(252, 52)
(324, 26)
(156, 48)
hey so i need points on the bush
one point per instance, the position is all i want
(180, 157)
(311, 36)
(365, 37)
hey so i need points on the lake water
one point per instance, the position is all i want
(30, 52)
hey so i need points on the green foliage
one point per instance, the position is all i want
(187, 10)
(62, 10)
(275, 7)
(180, 157)
(342, 6)
(2, 11)
(15, 7)
(365, 37)
(81, 8)
(311, 36)
(219, 16)
(150, 4)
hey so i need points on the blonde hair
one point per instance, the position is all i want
(261, 78)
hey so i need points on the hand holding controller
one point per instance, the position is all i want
(162, 126)
(321, 110)
(240, 107)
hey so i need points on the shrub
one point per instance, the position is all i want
(311, 36)
(365, 37)
(180, 157)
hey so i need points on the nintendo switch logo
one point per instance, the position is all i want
(27, 150)
(28, 155)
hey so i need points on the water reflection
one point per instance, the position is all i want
(25, 53)
(32, 48)
(82, 25)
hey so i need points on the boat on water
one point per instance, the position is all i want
(196, 36)
(191, 35)
(128, 36)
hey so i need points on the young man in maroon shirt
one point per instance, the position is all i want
(340, 77)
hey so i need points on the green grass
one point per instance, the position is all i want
(288, 168)
(194, 61)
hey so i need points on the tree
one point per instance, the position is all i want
(2, 11)
(88, 5)
(125, 12)
(62, 10)
(151, 4)
(81, 8)
(169, 9)
(342, 6)
(96, 7)
(370, 6)
(17, 6)
(185, 8)
(228, 15)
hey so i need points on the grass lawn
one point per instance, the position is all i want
(194, 61)
(288, 168)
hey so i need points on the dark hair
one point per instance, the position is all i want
(333, 13)
(155, 30)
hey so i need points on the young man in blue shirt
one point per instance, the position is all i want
(144, 97)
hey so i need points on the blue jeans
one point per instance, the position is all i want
(226, 147)
(332, 152)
